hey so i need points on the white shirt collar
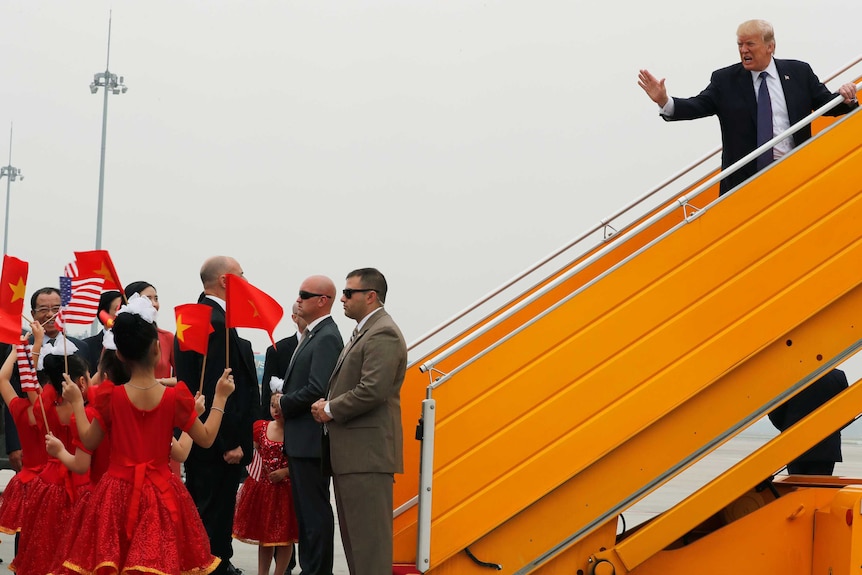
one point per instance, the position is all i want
(364, 320)
(218, 300)
(772, 70)
(313, 324)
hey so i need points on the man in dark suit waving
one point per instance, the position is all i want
(362, 412)
(305, 382)
(734, 94)
(213, 475)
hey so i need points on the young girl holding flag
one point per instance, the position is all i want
(264, 508)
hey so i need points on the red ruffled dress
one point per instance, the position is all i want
(51, 496)
(140, 517)
(102, 454)
(264, 510)
(13, 501)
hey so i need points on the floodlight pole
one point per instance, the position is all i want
(11, 174)
(111, 83)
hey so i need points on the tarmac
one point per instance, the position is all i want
(245, 555)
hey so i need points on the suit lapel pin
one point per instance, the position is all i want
(786, 77)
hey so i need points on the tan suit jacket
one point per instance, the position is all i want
(364, 399)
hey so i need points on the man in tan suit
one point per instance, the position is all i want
(362, 417)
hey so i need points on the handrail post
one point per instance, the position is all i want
(426, 477)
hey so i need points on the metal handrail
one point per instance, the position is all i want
(682, 201)
(603, 223)
(426, 478)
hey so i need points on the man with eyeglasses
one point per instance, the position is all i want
(44, 305)
(362, 415)
(305, 381)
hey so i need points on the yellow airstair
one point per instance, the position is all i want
(562, 408)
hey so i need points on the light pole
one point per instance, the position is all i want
(112, 84)
(11, 174)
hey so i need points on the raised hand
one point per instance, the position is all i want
(653, 87)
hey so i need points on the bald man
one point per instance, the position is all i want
(213, 475)
(305, 381)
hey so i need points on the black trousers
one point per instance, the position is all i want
(314, 515)
(810, 467)
(213, 489)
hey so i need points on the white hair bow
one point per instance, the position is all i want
(140, 306)
(275, 384)
(57, 348)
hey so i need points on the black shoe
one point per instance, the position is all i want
(232, 569)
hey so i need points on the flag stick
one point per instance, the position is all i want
(203, 371)
(44, 323)
(41, 404)
(226, 347)
(44, 415)
(65, 355)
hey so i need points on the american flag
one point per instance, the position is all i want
(71, 269)
(79, 301)
(26, 369)
(255, 468)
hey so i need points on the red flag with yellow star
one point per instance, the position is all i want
(98, 264)
(13, 289)
(194, 326)
(247, 306)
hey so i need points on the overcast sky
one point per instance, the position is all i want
(448, 143)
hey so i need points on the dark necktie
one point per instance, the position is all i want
(764, 121)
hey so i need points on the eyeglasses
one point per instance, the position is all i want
(348, 292)
(307, 294)
(46, 309)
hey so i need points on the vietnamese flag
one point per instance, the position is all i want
(194, 326)
(247, 306)
(98, 264)
(13, 288)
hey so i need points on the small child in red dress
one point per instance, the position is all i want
(54, 493)
(264, 508)
(140, 518)
(34, 456)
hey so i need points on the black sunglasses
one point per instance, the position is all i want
(307, 294)
(348, 292)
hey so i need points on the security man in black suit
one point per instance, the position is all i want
(820, 459)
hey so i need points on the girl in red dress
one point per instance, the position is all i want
(264, 508)
(140, 517)
(65, 479)
(34, 457)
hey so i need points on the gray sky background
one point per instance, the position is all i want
(450, 144)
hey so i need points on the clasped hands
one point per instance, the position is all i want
(319, 413)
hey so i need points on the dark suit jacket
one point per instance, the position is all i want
(13, 443)
(94, 351)
(275, 364)
(730, 96)
(242, 407)
(806, 401)
(364, 397)
(304, 384)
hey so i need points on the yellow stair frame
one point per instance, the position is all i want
(549, 434)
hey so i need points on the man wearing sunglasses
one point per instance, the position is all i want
(305, 381)
(362, 414)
